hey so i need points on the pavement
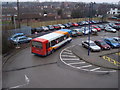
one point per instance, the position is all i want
(95, 57)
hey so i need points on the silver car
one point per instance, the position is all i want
(90, 44)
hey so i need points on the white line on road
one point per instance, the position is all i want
(95, 69)
(76, 63)
(70, 59)
(67, 53)
(26, 82)
(84, 66)
(67, 56)
(68, 50)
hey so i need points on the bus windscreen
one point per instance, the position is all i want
(37, 44)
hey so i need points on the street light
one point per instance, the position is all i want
(90, 18)
(18, 13)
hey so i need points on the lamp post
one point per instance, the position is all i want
(90, 18)
(18, 13)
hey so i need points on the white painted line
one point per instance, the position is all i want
(67, 53)
(67, 50)
(77, 63)
(67, 56)
(71, 59)
(95, 69)
(84, 66)
(26, 80)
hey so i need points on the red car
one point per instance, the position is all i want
(75, 24)
(102, 44)
(56, 26)
(96, 27)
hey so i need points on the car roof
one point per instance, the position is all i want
(109, 38)
(99, 40)
(90, 41)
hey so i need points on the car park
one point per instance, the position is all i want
(22, 39)
(90, 45)
(13, 37)
(112, 42)
(78, 31)
(102, 44)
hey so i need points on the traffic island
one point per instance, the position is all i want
(97, 58)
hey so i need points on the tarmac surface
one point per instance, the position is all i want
(95, 57)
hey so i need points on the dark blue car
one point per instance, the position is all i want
(112, 42)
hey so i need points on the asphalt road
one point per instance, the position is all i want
(25, 70)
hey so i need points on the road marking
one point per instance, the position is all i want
(85, 66)
(68, 50)
(76, 63)
(67, 53)
(111, 60)
(71, 59)
(118, 53)
(95, 69)
(67, 56)
(26, 83)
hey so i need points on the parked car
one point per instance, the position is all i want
(39, 29)
(97, 28)
(78, 31)
(13, 37)
(101, 27)
(70, 24)
(80, 24)
(110, 29)
(50, 27)
(45, 28)
(117, 27)
(90, 44)
(61, 26)
(74, 34)
(56, 26)
(22, 39)
(66, 25)
(117, 39)
(85, 30)
(102, 44)
(112, 42)
(75, 24)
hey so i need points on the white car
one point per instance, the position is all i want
(61, 26)
(90, 44)
(110, 29)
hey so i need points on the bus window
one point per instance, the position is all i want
(47, 45)
(53, 43)
(37, 44)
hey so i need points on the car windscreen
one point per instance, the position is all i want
(103, 43)
(92, 44)
(113, 41)
(37, 44)
(15, 36)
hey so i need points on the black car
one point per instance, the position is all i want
(39, 29)
(79, 23)
(50, 27)
(66, 25)
(70, 24)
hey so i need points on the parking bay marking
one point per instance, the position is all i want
(67, 56)
(118, 53)
(95, 69)
(77, 63)
(111, 60)
(85, 66)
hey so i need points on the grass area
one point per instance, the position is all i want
(44, 23)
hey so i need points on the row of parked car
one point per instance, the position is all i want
(105, 44)
(62, 26)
